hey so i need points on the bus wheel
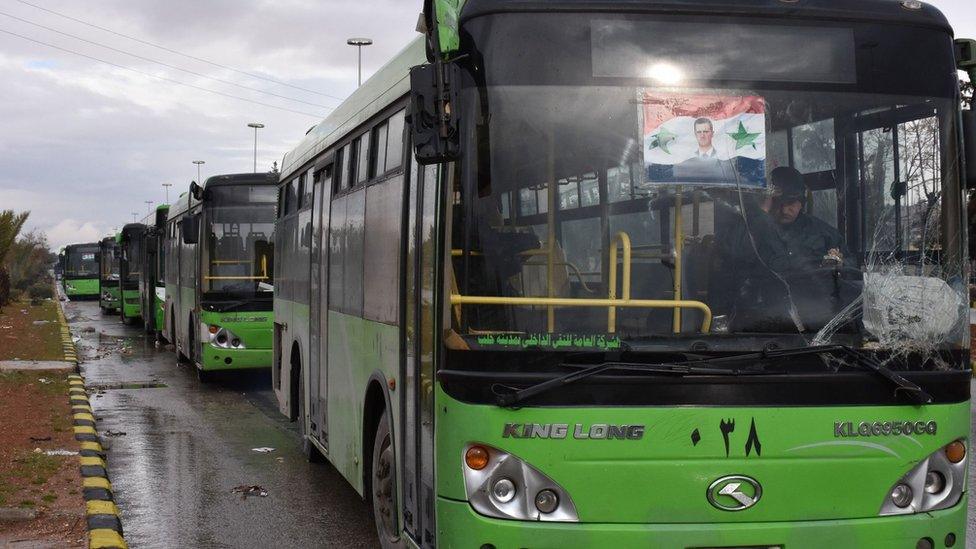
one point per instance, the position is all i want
(383, 487)
(204, 376)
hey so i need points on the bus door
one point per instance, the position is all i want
(417, 336)
(318, 313)
(898, 167)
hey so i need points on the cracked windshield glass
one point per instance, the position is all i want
(637, 185)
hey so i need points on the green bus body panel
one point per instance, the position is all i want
(159, 308)
(81, 287)
(130, 304)
(113, 291)
(663, 477)
(357, 348)
(459, 526)
(255, 329)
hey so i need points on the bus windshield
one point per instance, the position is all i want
(707, 185)
(239, 248)
(81, 262)
(110, 262)
(134, 257)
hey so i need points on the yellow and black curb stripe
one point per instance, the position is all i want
(104, 522)
(67, 344)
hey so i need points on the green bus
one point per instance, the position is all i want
(218, 242)
(655, 274)
(108, 285)
(152, 284)
(80, 271)
(132, 253)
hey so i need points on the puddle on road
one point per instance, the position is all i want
(101, 387)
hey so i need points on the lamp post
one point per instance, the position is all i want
(167, 186)
(200, 163)
(359, 43)
(257, 126)
(134, 215)
(149, 204)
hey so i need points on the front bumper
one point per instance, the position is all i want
(459, 526)
(215, 358)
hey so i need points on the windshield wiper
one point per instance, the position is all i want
(692, 367)
(515, 397)
(861, 359)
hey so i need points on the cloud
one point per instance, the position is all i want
(71, 231)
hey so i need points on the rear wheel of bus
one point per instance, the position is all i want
(382, 486)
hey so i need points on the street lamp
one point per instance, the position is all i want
(134, 215)
(257, 126)
(167, 186)
(359, 43)
(149, 204)
(200, 163)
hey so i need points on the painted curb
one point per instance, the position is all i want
(67, 344)
(103, 518)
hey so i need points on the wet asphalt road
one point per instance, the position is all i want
(188, 445)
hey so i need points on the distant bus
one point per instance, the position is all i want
(218, 255)
(131, 257)
(80, 278)
(657, 273)
(152, 285)
(108, 286)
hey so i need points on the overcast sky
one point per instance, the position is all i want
(85, 143)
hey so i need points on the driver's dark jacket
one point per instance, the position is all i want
(777, 262)
(799, 246)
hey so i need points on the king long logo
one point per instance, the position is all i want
(581, 431)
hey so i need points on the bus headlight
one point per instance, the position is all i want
(938, 482)
(509, 488)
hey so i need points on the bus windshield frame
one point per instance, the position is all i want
(566, 114)
(78, 265)
(237, 247)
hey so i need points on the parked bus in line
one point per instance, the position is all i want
(80, 276)
(682, 276)
(152, 284)
(108, 285)
(131, 258)
(219, 273)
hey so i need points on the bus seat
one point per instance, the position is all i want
(534, 274)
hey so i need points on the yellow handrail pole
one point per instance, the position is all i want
(587, 302)
(612, 293)
(696, 213)
(264, 266)
(678, 245)
(620, 239)
(551, 239)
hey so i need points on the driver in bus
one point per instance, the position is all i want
(806, 242)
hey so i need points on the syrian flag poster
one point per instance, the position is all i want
(704, 139)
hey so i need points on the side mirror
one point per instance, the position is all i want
(196, 191)
(190, 228)
(434, 128)
(969, 144)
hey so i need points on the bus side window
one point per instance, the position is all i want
(394, 148)
(291, 198)
(299, 193)
(378, 163)
(362, 157)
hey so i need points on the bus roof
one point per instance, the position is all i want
(388, 84)
(71, 247)
(261, 178)
(892, 11)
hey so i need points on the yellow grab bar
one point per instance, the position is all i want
(621, 239)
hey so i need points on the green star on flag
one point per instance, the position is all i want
(743, 138)
(663, 139)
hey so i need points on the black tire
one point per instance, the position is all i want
(204, 376)
(382, 487)
(311, 452)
